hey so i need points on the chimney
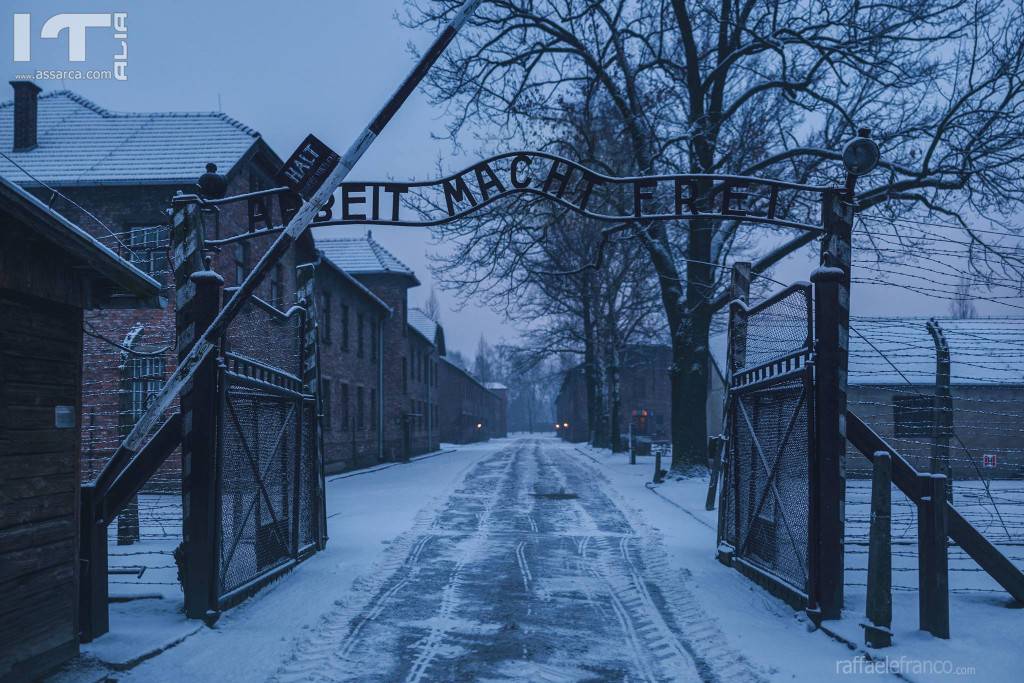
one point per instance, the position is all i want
(26, 117)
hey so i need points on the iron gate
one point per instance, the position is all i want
(766, 520)
(267, 496)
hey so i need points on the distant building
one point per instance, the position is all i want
(350, 327)
(407, 389)
(645, 396)
(469, 411)
(501, 424)
(50, 270)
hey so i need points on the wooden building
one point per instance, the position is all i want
(50, 271)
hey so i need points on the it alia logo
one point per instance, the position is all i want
(76, 26)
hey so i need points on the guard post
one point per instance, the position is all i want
(827, 498)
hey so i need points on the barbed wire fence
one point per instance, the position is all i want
(894, 381)
(127, 355)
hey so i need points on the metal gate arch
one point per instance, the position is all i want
(266, 501)
(767, 508)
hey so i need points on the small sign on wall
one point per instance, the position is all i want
(990, 460)
(64, 417)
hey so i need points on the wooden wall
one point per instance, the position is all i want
(40, 368)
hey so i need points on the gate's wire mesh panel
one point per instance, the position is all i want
(765, 496)
(266, 465)
(257, 484)
(770, 491)
(774, 331)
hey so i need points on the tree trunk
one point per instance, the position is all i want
(590, 363)
(689, 393)
(615, 400)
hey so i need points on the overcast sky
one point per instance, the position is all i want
(291, 68)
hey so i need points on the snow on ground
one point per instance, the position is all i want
(530, 559)
(367, 510)
(987, 634)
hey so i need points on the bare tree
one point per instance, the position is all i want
(769, 87)
(432, 309)
(961, 306)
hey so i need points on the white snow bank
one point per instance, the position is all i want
(987, 636)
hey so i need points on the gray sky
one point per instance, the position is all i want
(288, 69)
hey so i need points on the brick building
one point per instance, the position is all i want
(351, 323)
(645, 396)
(408, 348)
(500, 428)
(116, 174)
(426, 346)
(469, 411)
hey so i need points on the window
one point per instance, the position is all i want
(344, 408)
(325, 404)
(405, 376)
(912, 416)
(277, 286)
(149, 249)
(325, 317)
(373, 340)
(373, 409)
(359, 408)
(359, 334)
(344, 327)
(144, 376)
(241, 261)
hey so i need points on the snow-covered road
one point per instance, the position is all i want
(528, 571)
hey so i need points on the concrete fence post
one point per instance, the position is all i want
(877, 631)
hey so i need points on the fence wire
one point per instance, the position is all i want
(127, 355)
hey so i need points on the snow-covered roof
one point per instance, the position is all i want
(90, 252)
(982, 350)
(81, 143)
(498, 386)
(362, 256)
(419, 321)
(356, 284)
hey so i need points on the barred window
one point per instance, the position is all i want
(359, 408)
(344, 327)
(359, 334)
(344, 408)
(143, 377)
(149, 249)
(325, 317)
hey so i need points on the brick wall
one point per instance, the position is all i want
(109, 213)
(393, 289)
(422, 395)
(348, 375)
(468, 411)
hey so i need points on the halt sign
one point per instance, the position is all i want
(308, 167)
